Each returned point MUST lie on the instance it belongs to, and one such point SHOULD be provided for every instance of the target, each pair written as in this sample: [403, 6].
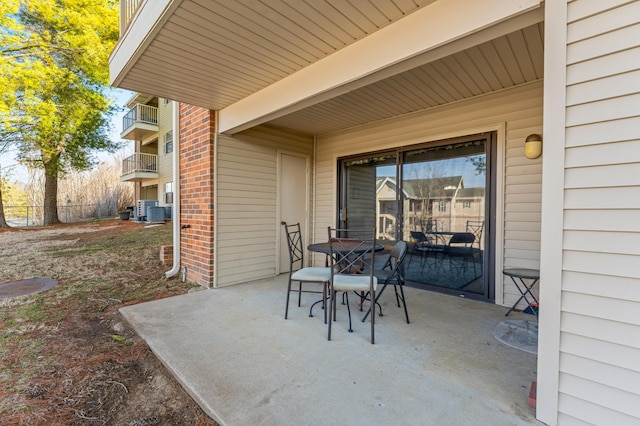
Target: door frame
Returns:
[494, 218]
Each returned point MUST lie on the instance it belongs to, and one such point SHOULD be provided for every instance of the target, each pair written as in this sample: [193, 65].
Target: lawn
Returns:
[66, 355]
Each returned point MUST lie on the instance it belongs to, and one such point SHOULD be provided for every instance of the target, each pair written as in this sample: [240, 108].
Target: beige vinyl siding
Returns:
[165, 161]
[246, 206]
[600, 326]
[518, 109]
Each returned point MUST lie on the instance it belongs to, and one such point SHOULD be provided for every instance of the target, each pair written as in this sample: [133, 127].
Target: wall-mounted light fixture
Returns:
[533, 146]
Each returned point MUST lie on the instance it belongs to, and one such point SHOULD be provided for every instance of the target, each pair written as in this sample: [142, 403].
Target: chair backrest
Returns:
[465, 238]
[418, 236]
[396, 257]
[476, 227]
[296, 248]
[398, 253]
[351, 250]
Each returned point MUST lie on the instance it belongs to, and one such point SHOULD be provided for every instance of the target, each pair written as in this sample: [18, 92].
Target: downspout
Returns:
[215, 199]
[176, 191]
[314, 196]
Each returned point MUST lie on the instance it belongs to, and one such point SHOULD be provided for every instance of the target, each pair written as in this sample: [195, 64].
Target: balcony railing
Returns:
[140, 162]
[128, 9]
[140, 114]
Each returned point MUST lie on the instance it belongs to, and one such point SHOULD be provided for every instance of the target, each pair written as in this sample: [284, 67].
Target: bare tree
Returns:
[84, 190]
[427, 183]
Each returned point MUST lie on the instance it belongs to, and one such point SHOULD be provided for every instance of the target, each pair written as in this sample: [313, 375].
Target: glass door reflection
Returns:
[366, 199]
[443, 199]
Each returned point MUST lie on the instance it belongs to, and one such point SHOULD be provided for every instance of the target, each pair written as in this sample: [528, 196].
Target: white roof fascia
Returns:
[435, 25]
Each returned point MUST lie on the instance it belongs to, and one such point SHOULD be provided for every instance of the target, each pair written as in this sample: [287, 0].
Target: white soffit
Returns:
[256, 62]
[213, 53]
[151, 15]
[366, 60]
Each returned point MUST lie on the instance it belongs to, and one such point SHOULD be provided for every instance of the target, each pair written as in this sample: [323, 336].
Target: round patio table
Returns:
[346, 246]
[356, 247]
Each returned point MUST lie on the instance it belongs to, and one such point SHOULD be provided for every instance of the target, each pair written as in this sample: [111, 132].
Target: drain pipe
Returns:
[176, 191]
[216, 129]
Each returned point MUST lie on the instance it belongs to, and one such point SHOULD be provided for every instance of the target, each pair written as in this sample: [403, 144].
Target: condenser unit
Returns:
[142, 207]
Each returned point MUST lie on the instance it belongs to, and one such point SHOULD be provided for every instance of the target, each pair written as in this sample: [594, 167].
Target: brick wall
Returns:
[196, 193]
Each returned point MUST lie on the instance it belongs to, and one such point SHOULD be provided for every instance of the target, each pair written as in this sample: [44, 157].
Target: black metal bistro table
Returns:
[325, 248]
[520, 276]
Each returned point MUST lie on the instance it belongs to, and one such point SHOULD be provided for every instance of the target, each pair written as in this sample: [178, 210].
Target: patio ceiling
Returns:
[504, 62]
[235, 48]
[216, 54]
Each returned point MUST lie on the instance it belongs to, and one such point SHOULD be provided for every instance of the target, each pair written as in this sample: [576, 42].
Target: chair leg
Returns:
[373, 317]
[332, 298]
[348, 311]
[299, 292]
[376, 302]
[286, 309]
[324, 301]
[397, 297]
[404, 302]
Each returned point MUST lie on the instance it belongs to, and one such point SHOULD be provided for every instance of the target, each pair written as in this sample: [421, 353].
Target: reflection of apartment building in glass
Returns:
[149, 123]
[437, 204]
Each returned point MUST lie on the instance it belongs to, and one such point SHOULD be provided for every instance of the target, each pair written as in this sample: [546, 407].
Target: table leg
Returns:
[524, 291]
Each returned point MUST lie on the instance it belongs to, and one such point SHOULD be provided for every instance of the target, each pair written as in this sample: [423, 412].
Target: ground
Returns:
[66, 355]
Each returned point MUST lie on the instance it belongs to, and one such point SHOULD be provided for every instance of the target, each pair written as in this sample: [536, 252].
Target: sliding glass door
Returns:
[437, 197]
[364, 203]
[445, 200]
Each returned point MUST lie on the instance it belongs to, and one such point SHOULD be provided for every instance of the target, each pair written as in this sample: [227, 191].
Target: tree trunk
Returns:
[50, 193]
[3, 222]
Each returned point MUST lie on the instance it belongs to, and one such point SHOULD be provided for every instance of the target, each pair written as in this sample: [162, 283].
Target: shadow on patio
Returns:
[244, 364]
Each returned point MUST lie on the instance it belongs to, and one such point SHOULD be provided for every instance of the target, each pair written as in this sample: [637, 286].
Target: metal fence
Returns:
[20, 216]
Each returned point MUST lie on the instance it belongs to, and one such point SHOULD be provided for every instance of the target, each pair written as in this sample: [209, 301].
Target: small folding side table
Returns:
[520, 276]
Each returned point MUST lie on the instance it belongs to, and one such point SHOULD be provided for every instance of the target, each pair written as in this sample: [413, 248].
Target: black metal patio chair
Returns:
[298, 272]
[350, 251]
[391, 273]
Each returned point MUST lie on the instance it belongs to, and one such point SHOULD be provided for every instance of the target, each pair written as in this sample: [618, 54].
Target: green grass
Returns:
[31, 312]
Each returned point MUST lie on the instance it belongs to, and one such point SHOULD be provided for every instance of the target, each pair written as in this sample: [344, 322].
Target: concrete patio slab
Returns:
[244, 364]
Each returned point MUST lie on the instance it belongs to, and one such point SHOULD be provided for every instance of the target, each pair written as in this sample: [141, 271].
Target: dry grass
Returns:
[67, 356]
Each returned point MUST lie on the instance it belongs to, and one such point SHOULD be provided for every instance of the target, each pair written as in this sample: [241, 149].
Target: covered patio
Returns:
[243, 363]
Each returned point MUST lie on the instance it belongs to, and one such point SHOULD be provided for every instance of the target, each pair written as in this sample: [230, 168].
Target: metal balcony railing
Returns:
[128, 9]
[140, 162]
[140, 114]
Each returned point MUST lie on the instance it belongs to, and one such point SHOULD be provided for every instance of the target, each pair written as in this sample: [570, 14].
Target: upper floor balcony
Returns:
[139, 167]
[128, 9]
[140, 123]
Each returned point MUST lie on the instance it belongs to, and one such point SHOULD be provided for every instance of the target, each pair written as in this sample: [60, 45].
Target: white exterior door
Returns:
[293, 200]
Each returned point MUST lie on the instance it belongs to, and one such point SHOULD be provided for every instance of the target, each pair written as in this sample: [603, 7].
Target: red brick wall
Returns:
[197, 129]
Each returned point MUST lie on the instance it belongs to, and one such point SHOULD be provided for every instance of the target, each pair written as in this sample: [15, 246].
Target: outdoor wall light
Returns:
[533, 146]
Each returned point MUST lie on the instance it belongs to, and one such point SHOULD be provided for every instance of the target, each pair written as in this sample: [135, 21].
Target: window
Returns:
[168, 193]
[168, 142]
[466, 204]
[442, 206]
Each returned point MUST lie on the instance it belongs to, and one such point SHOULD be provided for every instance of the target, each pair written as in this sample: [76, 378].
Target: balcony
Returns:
[128, 9]
[140, 123]
[139, 167]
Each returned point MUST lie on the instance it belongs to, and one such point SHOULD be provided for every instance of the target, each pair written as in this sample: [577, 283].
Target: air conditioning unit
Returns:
[155, 214]
[142, 207]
